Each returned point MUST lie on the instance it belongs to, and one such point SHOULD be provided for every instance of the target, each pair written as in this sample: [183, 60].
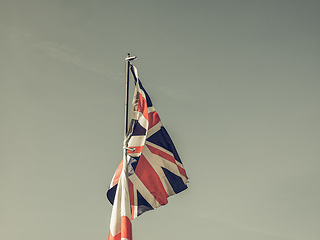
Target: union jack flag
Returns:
[154, 168]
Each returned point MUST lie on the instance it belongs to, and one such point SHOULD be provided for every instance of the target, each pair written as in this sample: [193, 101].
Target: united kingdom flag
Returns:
[154, 168]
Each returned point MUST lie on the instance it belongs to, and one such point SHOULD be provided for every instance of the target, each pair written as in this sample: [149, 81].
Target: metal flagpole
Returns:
[126, 97]
[125, 147]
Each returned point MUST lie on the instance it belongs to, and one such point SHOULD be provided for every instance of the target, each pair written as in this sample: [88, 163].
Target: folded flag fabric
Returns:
[154, 168]
[120, 224]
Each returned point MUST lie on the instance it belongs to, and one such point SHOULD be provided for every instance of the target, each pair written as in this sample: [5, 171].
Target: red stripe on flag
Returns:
[151, 180]
[161, 154]
[153, 119]
[126, 228]
[167, 157]
[117, 174]
[182, 171]
[142, 106]
[116, 237]
[131, 195]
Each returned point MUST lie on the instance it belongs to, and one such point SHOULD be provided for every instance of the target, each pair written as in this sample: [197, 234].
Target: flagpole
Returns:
[126, 97]
[126, 117]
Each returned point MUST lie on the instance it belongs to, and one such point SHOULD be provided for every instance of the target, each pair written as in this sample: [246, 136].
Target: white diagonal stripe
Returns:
[144, 191]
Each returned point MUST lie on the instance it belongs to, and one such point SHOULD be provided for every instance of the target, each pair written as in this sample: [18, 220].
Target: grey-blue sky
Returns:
[236, 84]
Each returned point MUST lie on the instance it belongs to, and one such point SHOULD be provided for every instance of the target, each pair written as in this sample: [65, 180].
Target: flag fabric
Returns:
[154, 168]
[120, 224]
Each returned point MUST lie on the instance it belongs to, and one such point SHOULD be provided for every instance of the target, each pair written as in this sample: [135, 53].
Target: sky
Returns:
[236, 84]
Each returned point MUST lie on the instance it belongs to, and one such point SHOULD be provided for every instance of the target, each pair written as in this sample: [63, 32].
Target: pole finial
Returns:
[130, 58]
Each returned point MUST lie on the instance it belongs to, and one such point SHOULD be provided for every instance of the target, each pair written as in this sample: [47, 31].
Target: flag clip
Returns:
[131, 149]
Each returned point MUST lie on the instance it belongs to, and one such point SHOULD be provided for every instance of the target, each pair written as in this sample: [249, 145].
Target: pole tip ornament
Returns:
[130, 58]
